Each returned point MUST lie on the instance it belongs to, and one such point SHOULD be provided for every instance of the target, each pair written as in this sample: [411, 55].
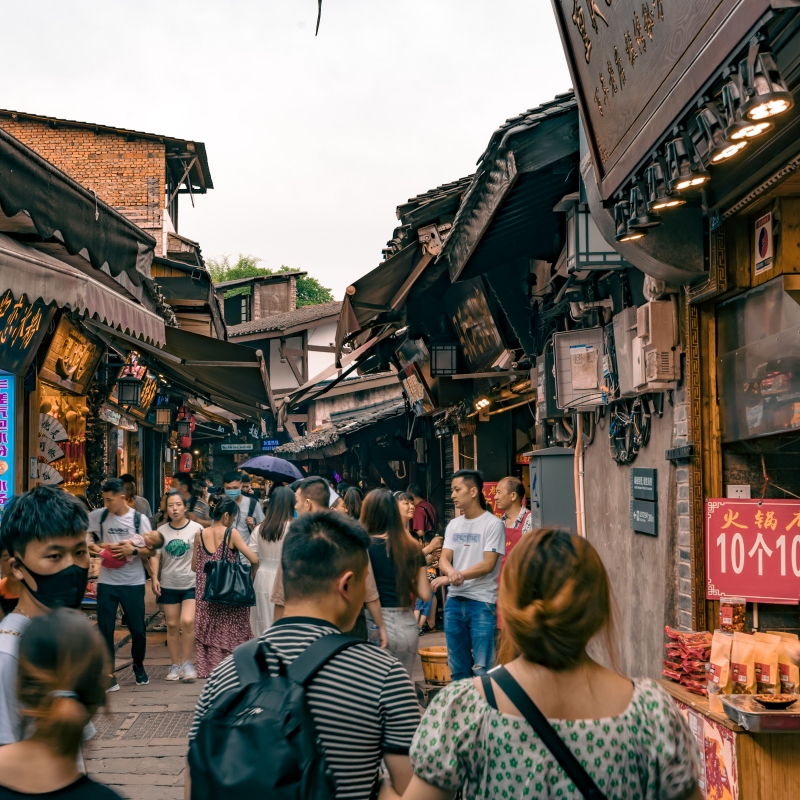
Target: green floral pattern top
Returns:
[646, 753]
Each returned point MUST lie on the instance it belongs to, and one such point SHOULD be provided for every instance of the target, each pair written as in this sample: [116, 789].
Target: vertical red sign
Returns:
[753, 550]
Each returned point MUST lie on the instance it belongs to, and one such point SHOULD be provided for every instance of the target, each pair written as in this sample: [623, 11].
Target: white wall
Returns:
[321, 336]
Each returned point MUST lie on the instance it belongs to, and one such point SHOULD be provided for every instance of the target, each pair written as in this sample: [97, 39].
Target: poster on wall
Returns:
[763, 243]
[7, 442]
[753, 550]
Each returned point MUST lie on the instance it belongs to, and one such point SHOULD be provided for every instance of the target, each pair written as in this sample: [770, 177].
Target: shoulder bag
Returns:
[228, 582]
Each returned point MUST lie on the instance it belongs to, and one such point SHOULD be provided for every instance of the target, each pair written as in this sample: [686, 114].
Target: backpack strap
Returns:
[103, 518]
[244, 659]
[488, 691]
[252, 508]
[551, 740]
[192, 503]
[316, 655]
[137, 519]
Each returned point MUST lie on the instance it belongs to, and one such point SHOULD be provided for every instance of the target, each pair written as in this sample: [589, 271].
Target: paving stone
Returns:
[160, 725]
[169, 765]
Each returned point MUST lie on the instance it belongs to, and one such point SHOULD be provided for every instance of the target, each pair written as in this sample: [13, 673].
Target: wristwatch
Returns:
[136, 551]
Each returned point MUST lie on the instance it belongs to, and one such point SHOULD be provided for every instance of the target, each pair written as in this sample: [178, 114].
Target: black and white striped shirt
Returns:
[362, 701]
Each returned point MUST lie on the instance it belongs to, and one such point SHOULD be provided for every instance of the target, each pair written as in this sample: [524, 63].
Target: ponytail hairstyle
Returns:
[380, 514]
[554, 598]
[220, 505]
[63, 668]
[352, 501]
[472, 476]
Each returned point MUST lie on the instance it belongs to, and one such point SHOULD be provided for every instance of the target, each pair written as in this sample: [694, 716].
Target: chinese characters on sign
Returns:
[71, 359]
[22, 326]
[7, 412]
[753, 550]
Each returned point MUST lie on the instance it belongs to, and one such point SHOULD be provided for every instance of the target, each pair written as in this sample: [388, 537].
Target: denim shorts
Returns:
[423, 606]
[174, 597]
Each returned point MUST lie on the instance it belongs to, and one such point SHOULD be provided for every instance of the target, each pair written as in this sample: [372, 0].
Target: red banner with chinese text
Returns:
[753, 550]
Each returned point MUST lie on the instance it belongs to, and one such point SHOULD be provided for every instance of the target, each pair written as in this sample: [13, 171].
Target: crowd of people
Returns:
[319, 562]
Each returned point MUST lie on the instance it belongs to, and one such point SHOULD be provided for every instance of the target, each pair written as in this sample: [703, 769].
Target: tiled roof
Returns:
[289, 319]
[439, 193]
[331, 434]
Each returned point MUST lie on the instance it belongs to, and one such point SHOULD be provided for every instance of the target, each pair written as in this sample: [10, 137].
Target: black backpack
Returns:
[259, 740]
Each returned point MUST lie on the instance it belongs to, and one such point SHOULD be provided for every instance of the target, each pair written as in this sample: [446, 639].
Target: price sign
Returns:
[753, 550]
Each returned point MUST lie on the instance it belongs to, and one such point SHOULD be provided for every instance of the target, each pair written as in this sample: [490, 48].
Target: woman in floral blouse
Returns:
[628, 735]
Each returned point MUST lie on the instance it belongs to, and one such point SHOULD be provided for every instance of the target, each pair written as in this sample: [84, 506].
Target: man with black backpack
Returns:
[305, 711]
[119, 531]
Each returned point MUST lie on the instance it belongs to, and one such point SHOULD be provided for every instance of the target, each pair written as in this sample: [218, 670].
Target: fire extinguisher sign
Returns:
[763, 242]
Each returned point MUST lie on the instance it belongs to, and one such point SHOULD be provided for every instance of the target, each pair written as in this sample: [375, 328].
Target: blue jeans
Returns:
[469, 628]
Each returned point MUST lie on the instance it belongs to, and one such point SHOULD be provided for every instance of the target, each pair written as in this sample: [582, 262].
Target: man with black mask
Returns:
[45, 533]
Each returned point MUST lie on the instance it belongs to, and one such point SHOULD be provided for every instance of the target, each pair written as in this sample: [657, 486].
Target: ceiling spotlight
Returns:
[685, 168]
[738, 128]
[659, 195]
[481, 403]
[712, 125]
[640, 218]
[764, 92]
[621, 215]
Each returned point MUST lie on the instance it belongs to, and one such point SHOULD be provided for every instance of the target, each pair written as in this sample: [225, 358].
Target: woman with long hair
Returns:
[174, 583]
[61, 681]
[405, 503]
[219, 628]
[631, 738]
[267, 542]
[352, 502]
[400, 572]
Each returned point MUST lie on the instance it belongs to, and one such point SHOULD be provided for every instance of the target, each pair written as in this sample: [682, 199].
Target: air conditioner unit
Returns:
[660, 358]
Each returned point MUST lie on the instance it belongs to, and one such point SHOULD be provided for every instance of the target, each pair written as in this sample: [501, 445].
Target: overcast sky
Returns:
[312, 142]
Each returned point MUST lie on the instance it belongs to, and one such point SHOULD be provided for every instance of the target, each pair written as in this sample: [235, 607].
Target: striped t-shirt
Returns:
[362, 702]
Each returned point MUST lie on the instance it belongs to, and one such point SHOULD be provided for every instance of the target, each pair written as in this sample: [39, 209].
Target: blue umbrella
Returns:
[273, 469]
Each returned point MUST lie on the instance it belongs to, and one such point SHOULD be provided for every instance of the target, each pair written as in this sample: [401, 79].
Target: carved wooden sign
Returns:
[637, 64]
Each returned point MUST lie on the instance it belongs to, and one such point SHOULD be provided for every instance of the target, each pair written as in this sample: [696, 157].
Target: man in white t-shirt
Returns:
[119, 533]
[470, 564]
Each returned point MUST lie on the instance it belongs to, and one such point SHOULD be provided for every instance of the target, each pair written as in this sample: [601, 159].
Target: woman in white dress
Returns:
[267, 541]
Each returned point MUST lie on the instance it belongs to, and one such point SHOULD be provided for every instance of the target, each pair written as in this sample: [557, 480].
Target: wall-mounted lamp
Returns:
[712, 125]
[621, 214]
[482, 402]
[684, 165]
[164, 415]
[640, 218]
[129, 390]
[764, 92]
[659, 195]
[738, 127]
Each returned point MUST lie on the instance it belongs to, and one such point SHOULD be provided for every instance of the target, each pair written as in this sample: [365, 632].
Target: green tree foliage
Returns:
[310, 291]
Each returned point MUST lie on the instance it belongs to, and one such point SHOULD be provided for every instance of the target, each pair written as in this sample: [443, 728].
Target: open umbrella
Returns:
[273, 469]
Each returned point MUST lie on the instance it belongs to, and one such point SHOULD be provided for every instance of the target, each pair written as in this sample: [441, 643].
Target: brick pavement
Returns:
[140, 748]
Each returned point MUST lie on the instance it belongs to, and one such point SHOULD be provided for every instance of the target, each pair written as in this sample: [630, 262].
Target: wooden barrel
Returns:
[434, 665]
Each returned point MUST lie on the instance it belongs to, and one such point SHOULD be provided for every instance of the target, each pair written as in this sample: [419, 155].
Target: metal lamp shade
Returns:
[639, 216]
[684, 168]
[129, 391]
[764, 92]
[184, 427]
[621, 214]
[659, 195]
[739, 127]
[712, 125]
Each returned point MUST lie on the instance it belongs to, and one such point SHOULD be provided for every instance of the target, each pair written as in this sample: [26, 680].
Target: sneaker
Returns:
[189, 672]
[113, 686]
[174, 673]
[140, 675]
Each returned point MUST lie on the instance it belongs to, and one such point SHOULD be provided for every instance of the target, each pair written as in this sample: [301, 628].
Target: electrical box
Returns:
[551, 488]
[624, 337]
[579, 369]
[655, 329]
[546, 407]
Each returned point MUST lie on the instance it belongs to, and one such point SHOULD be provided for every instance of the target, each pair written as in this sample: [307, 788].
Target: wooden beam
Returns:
[251, 364]
[411, 280]
[265, 379]
[467, 375]
[288, 358]
[316, 348]
[291, 351]
[183, 178]
[290, 426]
[297, 417]
[304, 362]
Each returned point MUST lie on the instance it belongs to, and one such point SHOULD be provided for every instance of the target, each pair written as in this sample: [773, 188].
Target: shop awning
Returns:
[40, 276]
[232, 376]
[64, 210]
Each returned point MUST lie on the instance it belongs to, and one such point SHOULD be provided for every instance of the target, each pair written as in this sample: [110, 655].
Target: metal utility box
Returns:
[579, 369]
[546, 407]
[624, 338]
[552, 488]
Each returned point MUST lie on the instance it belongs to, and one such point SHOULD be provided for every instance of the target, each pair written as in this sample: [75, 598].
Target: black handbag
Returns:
[551, 740]
[228, 583]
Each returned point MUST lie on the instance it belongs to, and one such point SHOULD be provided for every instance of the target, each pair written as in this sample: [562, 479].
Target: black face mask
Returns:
[63, 589]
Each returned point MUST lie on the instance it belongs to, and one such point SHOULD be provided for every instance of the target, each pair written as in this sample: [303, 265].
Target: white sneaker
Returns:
[174, 673]
[189, 672]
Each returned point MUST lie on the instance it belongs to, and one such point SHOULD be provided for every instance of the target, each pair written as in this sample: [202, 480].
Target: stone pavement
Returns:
[140, 746]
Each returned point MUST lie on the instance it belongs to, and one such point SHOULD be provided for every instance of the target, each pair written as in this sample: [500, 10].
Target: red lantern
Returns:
[185, 463]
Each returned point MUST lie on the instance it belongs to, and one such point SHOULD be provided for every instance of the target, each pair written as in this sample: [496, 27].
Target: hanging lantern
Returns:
[185, 462]
[184, 427]
[129, 390]
[163, 415]
[764, 92]
[684, 166]
[712, 125]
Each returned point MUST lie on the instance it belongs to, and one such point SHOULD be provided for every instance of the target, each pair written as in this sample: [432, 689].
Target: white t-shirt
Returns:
[176, 555]
[469, 539]
[119, 529]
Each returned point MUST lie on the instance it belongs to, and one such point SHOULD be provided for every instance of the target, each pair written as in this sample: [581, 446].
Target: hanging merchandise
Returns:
[49, 450]
[47, 475]
[49, 426]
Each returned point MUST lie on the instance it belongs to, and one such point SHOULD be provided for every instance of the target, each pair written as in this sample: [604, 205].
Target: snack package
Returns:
[766, 663]
[732, 614]
[789, 671]
[743, 670]
[719, 669]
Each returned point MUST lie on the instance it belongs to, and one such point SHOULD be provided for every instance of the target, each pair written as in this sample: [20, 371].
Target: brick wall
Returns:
[129, 176]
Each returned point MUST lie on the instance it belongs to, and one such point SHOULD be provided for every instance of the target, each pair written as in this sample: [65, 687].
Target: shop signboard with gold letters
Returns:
[635, 64]
[23, 325]
[71, 359]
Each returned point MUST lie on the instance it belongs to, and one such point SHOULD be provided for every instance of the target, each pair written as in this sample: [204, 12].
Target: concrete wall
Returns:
[280, 374]
[321, 336]
[642, 569]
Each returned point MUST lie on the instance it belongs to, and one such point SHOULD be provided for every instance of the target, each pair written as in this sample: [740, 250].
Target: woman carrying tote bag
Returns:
[219, 628]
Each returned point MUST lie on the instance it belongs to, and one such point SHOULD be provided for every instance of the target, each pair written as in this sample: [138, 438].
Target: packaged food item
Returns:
[789, 671]
[732, 614]
[766, 663]
[719, 669]
[743, 671]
